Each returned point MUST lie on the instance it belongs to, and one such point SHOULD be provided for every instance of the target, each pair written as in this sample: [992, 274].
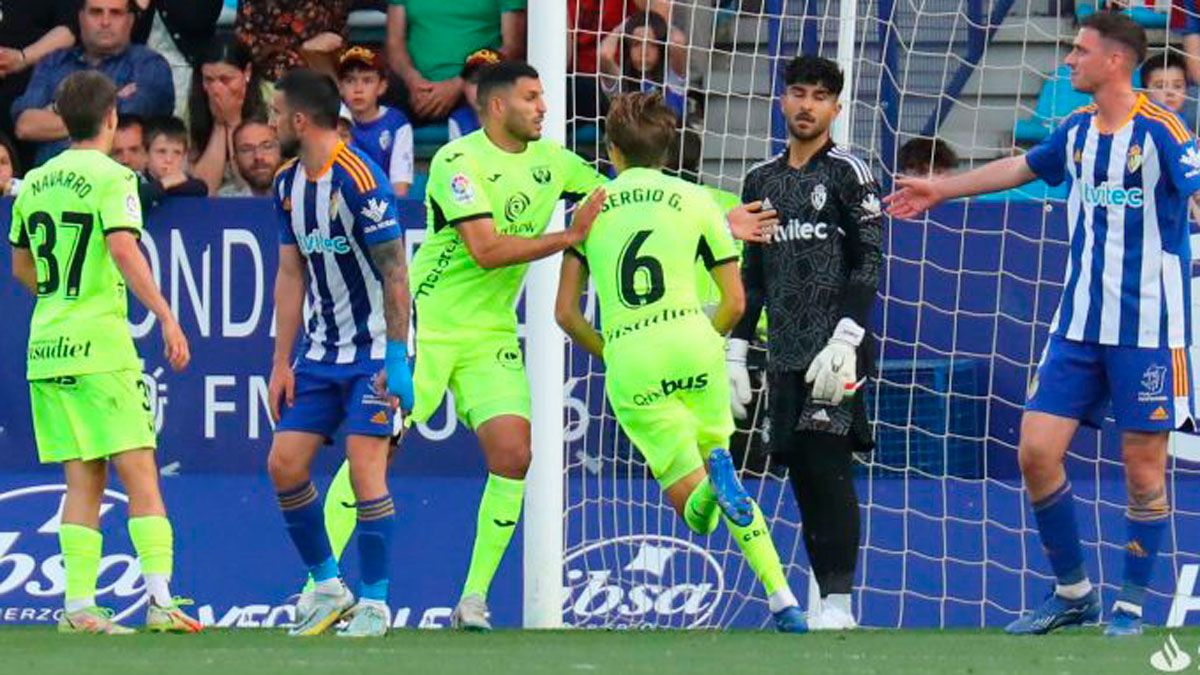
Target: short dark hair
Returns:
[807, 69]
[500, 76]
[919, 155]
[130, 120]
[169, 126]
[83, 101]
[1161, 61]
[247, 123]
[641, 126]
[313, 94]
[1121, 29]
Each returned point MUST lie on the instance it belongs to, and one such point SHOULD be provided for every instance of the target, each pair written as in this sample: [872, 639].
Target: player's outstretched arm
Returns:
[491, 250]
[388, 257]
[733, 297]
[24, 269]
[123, 246]
[571, 281]
[289, 310]
[914, 196]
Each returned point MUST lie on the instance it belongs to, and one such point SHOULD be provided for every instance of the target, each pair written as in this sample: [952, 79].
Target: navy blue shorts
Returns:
[1149, 389]
[333, 396]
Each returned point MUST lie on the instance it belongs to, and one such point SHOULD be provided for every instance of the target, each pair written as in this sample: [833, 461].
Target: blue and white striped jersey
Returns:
[334, 218]
[1127, 279]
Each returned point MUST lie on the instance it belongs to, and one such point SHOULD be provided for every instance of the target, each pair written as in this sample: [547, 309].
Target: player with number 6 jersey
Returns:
[664, 358]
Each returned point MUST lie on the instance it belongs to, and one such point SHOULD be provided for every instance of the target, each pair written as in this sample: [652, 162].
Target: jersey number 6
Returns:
[42, 226]
[631, 264]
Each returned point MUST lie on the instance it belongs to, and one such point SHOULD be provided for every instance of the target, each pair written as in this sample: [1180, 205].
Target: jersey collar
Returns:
[337, 150]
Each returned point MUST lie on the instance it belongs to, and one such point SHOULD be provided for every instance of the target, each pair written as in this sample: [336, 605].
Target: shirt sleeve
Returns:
[716, 246]
[1048, 159]
[283, 211]
[513, 6]
[374, 209]
[862, 243]
[454, 192]
[40, 90]
[121, 207]
[581, 178]
[155, 90]
[1182, 158]
[401, 168]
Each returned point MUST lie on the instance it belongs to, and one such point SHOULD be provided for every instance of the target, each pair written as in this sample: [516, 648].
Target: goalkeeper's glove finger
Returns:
[738, 409]
[739, 376]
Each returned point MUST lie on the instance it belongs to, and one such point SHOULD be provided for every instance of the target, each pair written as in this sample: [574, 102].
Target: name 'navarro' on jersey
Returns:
[1128, 271]
[334, 218]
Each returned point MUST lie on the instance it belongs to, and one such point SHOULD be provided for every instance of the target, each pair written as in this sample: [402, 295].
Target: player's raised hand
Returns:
[175, 345]
[585, 215]
[281, 388]
[912, 197]
[751, 222]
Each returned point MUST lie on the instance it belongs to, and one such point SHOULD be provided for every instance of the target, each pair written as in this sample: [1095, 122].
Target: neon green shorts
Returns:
[90, 417]
[485, 373]
[672, 401]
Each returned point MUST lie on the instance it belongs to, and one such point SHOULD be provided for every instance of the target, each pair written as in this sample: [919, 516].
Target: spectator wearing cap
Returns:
[286, 34]
[225, 92]
[26, 37]
[383, 133]
[465, 118]
[142, 76]
[428, 41]
[258, 156]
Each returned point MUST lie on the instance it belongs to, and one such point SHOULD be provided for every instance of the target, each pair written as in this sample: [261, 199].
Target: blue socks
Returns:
[1059, 532]
[305, 518]
[1144, 527]
[376, 525]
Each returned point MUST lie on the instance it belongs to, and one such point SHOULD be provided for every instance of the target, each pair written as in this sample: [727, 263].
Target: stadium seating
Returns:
[1055, 101]
[1149, 17]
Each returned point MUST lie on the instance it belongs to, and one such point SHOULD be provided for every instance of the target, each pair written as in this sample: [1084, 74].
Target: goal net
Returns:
[948, 538]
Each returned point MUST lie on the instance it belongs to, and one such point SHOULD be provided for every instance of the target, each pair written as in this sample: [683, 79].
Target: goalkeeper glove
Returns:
[739, 377]
[399, 375]
[833, 373]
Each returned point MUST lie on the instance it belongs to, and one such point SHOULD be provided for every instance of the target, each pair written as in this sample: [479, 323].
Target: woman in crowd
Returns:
[225, 91]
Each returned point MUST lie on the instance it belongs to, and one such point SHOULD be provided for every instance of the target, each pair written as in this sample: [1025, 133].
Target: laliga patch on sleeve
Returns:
[132, 208]
[461, 189]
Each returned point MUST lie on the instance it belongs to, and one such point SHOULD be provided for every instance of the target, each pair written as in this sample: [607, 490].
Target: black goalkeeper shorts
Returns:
[794, 418]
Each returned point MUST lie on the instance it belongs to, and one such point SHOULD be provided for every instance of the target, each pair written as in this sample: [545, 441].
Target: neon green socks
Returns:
[81, 556]
[499, 511]
[154, 542]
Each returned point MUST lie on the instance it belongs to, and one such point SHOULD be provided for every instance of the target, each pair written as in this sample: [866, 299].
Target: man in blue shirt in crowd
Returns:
[142, 76]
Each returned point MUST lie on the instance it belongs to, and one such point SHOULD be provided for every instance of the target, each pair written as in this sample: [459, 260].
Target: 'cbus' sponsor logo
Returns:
[1107, 195]
[668, 387]
[642, 580]
[32, 576]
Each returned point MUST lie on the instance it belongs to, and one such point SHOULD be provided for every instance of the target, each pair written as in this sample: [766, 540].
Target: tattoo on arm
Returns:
[389, 260]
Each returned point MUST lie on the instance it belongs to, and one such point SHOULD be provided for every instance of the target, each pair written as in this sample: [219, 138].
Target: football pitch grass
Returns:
[41, 651]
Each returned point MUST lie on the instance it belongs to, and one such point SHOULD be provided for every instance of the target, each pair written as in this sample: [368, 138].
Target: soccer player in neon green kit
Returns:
[75, 230]
[664, 359]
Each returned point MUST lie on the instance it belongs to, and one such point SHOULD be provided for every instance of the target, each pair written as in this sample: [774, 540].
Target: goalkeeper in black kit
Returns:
[817, 277]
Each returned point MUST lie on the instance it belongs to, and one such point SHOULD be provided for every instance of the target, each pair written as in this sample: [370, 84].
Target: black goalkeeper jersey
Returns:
[824, 261]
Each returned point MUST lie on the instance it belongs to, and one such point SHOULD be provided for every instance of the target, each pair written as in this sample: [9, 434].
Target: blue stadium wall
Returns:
[945, 286]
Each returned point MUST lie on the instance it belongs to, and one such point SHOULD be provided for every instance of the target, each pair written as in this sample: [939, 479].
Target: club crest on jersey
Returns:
[1133, 160]
[385, 140]
[541, 175]
[335, 201]
[461, 189]
[819, 196]
[375, 209]
[1078, 156]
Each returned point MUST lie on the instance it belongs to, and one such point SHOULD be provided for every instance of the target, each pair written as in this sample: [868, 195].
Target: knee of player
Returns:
[512, 462]
[1035, 459]
[284, 472]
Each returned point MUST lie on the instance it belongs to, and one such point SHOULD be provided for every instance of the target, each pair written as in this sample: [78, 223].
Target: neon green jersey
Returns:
[62, 214]
[642, 250]
[471, 178]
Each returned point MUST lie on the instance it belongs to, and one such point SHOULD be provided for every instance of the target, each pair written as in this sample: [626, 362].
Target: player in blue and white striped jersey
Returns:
[1122, 329]
[338, 228]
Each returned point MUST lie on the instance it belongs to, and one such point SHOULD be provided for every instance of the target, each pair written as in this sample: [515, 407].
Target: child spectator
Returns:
[382, 132]
[926, 158]
[1164, 76]
[167, 145]
[465, 118]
